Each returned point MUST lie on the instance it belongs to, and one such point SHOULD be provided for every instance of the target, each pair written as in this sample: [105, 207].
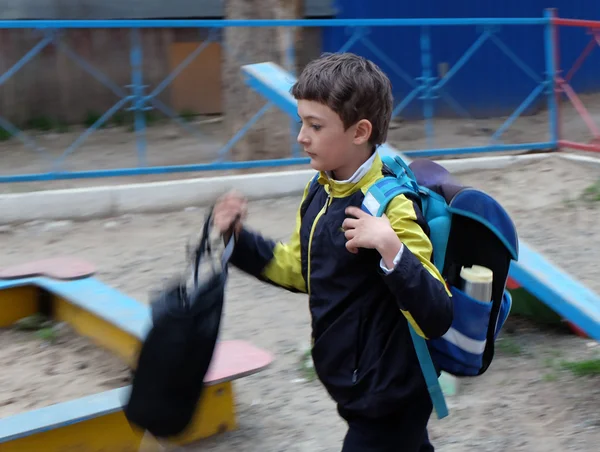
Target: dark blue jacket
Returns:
[362, 349]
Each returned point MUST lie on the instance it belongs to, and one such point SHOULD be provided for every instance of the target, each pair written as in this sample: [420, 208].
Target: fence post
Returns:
[551, 47]
[138, 97]
[426, 80]
[290, 65]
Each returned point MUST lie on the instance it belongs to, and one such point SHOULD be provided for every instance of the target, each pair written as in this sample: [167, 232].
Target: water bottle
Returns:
[476, 281]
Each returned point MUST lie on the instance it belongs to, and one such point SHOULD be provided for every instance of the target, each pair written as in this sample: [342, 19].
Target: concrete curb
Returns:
[581, 159]
[102, 202]
[458, 166]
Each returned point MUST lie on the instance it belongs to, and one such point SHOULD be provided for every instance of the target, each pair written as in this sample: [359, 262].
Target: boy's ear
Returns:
[362, 131]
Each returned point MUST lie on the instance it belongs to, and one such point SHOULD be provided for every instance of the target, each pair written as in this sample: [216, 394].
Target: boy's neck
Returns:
[345, 173]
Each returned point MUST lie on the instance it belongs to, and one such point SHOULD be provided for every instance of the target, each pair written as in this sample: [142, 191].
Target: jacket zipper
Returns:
[359, 336]
[312, 231]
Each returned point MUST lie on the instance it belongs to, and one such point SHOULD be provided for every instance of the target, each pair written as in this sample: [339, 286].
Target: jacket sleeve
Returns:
[275, 263]
[420, 290]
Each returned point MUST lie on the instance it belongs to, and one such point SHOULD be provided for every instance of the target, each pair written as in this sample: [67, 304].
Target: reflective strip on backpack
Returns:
[465, 343]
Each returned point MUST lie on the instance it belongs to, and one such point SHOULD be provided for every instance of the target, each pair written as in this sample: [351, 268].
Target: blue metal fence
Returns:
[424, 87]
[489, 66]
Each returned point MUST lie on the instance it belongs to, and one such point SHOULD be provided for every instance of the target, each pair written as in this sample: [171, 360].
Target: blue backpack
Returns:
[466, 227]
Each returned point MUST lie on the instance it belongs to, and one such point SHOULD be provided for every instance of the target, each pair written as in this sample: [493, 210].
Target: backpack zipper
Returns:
[312, 231]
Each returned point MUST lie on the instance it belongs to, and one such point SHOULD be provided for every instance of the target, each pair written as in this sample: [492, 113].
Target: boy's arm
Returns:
[276, 263]
[419, 287]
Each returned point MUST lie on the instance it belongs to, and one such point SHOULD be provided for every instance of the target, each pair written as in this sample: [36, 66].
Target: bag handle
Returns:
[204, 247]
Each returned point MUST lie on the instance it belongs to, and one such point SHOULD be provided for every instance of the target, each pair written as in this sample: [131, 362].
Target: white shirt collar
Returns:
[360, 172]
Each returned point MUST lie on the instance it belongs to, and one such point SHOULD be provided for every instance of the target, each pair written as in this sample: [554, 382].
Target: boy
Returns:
[366, 277]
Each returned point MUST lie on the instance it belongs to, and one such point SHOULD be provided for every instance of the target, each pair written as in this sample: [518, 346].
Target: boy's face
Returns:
[329, 146]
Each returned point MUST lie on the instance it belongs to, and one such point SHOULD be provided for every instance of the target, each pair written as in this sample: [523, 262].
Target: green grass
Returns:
[592, 193]
[550, 377]
[42, 123]
[41, 326]
[585, 368]
[4, 135]
[188, 115]
[91, 118]
[508, 346]
[307, 368]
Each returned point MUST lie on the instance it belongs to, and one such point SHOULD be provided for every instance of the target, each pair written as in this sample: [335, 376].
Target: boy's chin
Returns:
[318, 166]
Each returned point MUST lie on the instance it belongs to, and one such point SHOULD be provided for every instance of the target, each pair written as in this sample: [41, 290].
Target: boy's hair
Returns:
[352, 86]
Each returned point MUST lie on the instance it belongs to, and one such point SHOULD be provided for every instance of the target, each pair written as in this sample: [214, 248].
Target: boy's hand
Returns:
[229, 209]
[367, 231]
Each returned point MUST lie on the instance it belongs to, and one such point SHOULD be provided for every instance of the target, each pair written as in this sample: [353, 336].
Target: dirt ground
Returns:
[59, 366]
[528, 401]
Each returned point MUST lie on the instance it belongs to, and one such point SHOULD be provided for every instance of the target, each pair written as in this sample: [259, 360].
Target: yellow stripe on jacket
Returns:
[285, 269]
[403, 219]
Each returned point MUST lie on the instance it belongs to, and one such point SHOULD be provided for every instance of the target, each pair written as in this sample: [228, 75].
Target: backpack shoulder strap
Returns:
[379, 195]
[429, 373]
[401, 181]
[375, 203]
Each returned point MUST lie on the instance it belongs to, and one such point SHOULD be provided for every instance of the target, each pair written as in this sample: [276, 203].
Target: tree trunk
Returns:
[270, 136]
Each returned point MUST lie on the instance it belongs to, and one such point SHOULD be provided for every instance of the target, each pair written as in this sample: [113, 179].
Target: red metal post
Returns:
[593, 147]
[594, 24]
[562, 85]
[557, 75]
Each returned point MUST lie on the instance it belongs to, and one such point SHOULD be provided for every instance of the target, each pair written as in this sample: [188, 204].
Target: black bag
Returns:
[175, 355]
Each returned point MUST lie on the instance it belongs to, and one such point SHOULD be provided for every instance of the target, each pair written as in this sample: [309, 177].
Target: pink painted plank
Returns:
[63, 268]
[236, 359]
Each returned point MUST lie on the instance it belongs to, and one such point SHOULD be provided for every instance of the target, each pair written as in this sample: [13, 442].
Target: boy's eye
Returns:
[315, 127]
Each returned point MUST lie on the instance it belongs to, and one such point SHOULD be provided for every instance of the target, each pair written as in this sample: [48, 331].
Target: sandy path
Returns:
[68, 368]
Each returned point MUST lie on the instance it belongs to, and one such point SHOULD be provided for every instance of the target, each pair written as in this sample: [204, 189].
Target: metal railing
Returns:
[563, 84]
[137, 98]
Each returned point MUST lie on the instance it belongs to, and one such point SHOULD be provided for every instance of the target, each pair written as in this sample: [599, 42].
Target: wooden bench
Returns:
[66, 290]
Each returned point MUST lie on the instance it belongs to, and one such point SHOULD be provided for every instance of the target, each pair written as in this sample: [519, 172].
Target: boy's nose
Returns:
[302, 138]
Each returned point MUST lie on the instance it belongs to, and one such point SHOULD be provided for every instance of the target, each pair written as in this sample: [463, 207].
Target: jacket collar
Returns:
[365, 176]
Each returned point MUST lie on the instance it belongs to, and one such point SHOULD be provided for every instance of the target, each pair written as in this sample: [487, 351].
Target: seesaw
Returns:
[534, 273]
[66, 290]
[559, 291]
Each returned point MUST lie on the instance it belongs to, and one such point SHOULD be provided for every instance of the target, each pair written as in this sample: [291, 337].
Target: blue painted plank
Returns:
[11, 283]
[560, 291]
[62, 414]
[105, 302]
[274, 84]
[94, 296]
